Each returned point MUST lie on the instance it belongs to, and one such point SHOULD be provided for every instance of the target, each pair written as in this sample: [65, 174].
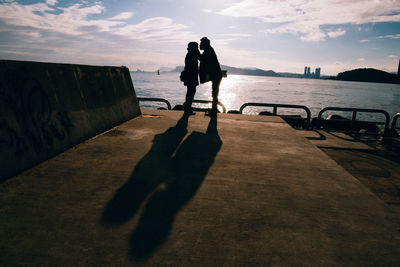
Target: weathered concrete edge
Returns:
[46, 108]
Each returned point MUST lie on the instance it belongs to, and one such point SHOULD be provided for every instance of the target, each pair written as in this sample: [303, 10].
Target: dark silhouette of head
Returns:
[204, 43]
[193, 45]
[193, 49]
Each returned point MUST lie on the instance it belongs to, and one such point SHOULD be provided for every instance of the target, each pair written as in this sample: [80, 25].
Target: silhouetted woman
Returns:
[191, 75]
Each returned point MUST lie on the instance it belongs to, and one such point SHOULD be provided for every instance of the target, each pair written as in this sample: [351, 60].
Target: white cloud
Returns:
[306, 18]
[63, 34]
[392, 56]
[70, 21]
[364, 41]
[392, 36]
[361, 59]
[20, 53]
[75, 20]
[51, 2]
[336, 34]
[157, 28]
[32, 34]
[237, 34]
[122, 16]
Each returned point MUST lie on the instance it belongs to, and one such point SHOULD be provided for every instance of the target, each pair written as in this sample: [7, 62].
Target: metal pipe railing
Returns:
[354, 115]
[394, 122]
[276, 106]
[153, 99]
[305, 108]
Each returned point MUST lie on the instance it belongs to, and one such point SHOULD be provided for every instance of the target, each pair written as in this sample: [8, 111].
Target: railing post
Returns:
[394, 122]
[154, 99]
[353, 120]
[276, 106]
[354, 114]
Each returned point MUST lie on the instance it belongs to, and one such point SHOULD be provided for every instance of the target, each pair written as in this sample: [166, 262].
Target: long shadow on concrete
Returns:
[152, 170]
[168, 182]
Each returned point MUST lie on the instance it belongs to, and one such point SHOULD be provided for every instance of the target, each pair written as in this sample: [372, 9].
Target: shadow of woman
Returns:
[190, 166]
[152, 170]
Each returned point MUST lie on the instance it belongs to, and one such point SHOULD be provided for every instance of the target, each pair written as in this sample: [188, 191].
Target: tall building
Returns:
[308, 74]
[317, 72]
[398, 70]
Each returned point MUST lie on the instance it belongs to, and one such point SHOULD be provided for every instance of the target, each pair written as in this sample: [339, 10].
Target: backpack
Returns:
[183, 76]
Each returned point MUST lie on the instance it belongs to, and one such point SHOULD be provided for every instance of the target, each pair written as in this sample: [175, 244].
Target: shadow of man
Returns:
[190, 166]
[152, 170]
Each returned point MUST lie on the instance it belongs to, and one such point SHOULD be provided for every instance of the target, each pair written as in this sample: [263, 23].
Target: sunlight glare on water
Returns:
[235, 90]
[228, 89]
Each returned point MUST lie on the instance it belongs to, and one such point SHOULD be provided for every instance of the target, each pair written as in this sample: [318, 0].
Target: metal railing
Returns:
[276, 106]
[210, 102]
[354, 116]
[394, 122]
[153, 99]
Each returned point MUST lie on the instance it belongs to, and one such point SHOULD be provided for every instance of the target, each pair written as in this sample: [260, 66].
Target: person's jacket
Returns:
[191, 69]
[210, 70]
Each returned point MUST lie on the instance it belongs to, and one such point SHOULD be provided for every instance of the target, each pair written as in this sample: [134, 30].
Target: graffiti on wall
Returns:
[27, 118]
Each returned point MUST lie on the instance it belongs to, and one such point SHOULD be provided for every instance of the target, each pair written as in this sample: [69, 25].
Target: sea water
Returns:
[316, 94]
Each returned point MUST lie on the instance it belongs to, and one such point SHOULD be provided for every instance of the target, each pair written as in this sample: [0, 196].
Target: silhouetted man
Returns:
[191, 75]
[210, 70]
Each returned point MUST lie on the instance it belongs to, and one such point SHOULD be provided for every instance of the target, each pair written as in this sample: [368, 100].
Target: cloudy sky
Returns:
[284, 36]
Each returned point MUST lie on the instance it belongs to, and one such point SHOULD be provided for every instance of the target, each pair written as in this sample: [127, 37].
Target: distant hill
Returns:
[290, 75]
[249, 71]
[165, 69]
[367, 75]
[241, 71]
[178, 69]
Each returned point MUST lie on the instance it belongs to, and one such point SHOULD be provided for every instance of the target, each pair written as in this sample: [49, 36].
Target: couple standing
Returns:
[209, 70]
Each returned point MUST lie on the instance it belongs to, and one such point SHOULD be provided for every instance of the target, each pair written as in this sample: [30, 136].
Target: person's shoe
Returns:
[190, 113]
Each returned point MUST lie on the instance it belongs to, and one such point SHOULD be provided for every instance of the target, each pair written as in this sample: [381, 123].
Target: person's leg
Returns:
[191, 91]
[215, 92]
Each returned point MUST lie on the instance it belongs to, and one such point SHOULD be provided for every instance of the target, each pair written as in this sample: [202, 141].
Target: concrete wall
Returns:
[46, 108]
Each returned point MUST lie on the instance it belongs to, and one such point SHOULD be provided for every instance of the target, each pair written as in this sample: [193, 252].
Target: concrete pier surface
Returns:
[163, 189]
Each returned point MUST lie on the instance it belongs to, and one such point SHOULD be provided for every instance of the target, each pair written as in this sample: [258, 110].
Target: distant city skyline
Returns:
[283, 36]
[398, 70]
[309, 74]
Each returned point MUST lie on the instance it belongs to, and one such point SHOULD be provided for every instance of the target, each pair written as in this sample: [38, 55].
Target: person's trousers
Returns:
[191, 91]
[215, 91]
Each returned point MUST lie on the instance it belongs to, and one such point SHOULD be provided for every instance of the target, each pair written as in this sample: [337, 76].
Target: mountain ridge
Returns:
[367, 75]
[359, 75]
[240, 71]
